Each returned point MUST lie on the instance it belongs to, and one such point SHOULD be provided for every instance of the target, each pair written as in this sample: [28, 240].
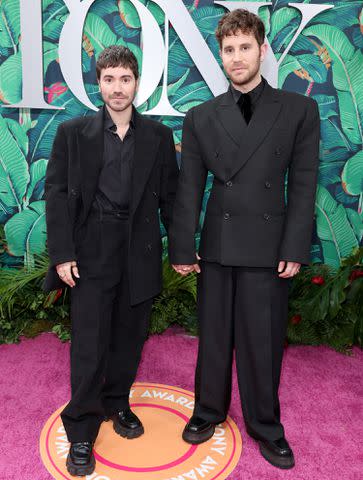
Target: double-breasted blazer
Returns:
[71, 183]
[248, 221]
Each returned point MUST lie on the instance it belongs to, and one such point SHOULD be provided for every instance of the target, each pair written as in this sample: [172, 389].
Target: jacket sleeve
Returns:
[189, 197]
[59, 228]
[301, 190]
[169, 179]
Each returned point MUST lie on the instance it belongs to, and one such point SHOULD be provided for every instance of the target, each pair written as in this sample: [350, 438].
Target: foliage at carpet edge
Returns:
[325, 308]
[26, 310]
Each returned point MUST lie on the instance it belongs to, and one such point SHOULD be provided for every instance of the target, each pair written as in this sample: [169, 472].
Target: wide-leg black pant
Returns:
[245, 309]
[107, 332]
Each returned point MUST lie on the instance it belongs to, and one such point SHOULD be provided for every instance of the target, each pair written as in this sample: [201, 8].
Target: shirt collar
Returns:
[254, 94]
[109, 123]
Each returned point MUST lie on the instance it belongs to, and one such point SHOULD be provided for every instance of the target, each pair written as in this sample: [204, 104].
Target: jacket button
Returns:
[149, 247]
[155, 194]
[74, 192]
[266, 216]
[267, 184]
[216, 154]
[229, 183]
[278, 151]
[147, 219]
[226, 216]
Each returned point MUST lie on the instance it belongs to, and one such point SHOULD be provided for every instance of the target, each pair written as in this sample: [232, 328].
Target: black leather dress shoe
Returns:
[80, 459]
[127, 424]
[198, 431]
[278, 453]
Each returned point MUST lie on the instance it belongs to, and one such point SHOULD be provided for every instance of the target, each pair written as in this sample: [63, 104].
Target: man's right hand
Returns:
[66, 272]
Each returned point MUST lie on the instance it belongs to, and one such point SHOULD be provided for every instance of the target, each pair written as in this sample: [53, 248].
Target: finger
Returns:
[75, 271]
[281, 266]
[287, 272]
[197, 268]
[198, 257]
[68, 277]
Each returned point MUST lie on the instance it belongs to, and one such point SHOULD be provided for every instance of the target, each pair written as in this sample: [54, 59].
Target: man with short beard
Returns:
[107, 178]
[252, 242]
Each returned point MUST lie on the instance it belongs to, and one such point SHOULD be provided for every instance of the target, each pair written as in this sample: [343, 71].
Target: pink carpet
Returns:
[321, 398]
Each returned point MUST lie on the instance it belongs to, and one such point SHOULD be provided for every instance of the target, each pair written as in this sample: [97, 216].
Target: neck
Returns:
[247, 87]
[120, 118]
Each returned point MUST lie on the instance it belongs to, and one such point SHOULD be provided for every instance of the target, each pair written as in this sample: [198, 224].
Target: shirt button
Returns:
[267, 184]
[266, 216]
[229, 183]
[226, 216]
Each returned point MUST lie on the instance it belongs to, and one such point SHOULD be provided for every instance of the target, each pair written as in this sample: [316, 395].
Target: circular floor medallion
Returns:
[159, 454]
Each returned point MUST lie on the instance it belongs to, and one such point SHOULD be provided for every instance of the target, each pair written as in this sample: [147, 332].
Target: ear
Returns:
[263, 51]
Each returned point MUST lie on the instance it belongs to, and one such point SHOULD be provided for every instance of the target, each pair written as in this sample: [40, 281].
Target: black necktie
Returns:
[244, 103]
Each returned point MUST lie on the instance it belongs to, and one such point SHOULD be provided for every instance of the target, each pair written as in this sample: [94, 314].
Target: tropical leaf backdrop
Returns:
[325, 62]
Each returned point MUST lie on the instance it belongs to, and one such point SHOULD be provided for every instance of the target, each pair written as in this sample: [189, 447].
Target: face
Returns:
[118, 87]
[242, 56]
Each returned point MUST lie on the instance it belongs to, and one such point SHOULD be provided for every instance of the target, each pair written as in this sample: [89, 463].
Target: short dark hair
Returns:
[240, 20]
[117, 56]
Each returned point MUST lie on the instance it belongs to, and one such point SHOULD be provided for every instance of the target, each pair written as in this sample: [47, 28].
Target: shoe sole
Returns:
[80, 471]
[128, 433]
[197, 438]
[276, 460]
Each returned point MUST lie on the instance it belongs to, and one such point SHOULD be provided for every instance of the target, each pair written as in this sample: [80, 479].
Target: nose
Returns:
[237, 57]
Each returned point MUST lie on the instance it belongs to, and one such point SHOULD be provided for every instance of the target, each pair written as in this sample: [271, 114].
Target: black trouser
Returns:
[107, 332]
[246, 309]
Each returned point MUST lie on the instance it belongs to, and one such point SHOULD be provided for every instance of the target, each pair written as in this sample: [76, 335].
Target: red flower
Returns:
[295, 319]
[54, 91]
[58, 294]
[318, 280]
[355, 274]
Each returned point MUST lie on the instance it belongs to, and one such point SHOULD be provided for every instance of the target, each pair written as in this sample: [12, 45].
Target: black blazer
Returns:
[247, 221]
[71, 183]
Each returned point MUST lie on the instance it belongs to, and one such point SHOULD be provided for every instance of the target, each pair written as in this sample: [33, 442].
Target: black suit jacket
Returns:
[248, 221]
[71, 183]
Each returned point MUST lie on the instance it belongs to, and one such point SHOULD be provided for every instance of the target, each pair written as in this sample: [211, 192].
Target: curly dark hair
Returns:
[117, 56]
[240, 20]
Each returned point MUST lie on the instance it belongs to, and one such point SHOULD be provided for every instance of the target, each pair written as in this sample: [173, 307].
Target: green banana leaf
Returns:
[11, 79]
[99, 33]
[37, 173]
[14, 174]
[335, 232]
[25, 232]
[9, 24]
[347, 70]
[352, 176]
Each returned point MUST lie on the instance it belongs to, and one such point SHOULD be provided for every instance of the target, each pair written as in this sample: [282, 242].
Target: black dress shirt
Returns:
[114, 186]
[254, 94]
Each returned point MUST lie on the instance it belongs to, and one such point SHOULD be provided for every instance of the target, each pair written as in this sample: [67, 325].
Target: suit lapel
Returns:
[91, 145]
[262, 121]
[248, 138]
[229, 116]
[146, 146]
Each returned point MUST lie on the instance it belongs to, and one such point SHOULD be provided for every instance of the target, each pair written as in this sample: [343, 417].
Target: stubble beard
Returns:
[249, 78]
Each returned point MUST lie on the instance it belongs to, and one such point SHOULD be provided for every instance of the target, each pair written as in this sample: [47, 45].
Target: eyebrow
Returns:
[111, 76]
[246, 44]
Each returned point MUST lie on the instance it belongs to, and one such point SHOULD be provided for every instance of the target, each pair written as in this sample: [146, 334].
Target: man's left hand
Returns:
[288, 269]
